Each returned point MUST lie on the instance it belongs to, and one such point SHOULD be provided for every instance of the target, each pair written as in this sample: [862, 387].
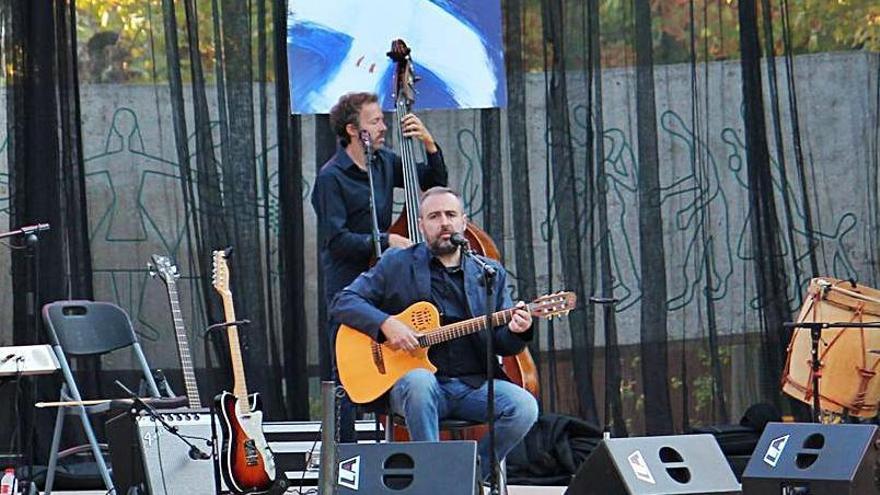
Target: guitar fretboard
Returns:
[239, 388]
[466, 327]
[186, 362]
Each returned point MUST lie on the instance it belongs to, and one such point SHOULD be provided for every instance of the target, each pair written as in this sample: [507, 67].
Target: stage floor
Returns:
[512, 490]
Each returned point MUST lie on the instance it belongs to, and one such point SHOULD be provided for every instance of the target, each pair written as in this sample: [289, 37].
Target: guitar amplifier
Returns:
[147, 457]
[296, 446]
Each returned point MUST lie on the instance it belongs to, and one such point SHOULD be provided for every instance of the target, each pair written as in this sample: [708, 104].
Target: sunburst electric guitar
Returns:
[368, 369]
[246, 463]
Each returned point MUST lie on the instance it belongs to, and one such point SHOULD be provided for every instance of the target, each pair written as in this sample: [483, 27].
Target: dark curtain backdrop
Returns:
[46, 179]
[232, 169]
[674, 375]
[194, 149]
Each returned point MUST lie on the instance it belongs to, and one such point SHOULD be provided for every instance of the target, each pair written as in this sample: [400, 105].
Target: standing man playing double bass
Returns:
[341, 198]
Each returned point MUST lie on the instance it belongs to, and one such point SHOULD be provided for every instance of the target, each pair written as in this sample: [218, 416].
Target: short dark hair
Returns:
[434, 191]
[347, 110]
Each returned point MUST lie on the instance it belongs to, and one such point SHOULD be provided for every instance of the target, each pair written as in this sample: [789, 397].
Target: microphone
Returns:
[458, 240]
[365, 139]
[197, 454]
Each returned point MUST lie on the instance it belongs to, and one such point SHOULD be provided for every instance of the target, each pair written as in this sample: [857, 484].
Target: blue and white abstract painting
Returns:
[337, 46]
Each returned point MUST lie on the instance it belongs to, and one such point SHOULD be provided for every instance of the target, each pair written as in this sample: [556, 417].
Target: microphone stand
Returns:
[32, 242]
[489, 273]
[815, 337]
[374, 221]
[195, 453]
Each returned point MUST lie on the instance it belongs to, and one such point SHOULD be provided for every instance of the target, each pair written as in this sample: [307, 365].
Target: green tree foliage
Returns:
[815, 26]
[123, 40]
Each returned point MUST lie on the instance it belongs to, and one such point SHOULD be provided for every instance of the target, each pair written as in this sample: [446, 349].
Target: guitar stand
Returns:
[280, 485]
[215, 448]
[225, 324]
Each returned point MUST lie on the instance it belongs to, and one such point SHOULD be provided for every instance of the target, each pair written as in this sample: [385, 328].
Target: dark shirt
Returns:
[341, 198]
[460, 358]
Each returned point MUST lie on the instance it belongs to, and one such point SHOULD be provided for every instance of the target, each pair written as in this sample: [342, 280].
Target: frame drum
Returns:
[848, 383]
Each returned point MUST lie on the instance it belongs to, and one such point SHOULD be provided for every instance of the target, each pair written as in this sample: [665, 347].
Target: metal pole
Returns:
[328, 438]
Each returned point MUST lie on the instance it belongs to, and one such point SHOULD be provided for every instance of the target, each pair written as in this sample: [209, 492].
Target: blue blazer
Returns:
[403, 277]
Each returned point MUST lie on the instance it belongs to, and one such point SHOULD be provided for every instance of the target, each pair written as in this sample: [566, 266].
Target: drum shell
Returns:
[848, 378]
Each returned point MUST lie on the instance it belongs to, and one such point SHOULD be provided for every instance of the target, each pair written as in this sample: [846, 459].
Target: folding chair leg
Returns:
[96, 449]
[53, 452]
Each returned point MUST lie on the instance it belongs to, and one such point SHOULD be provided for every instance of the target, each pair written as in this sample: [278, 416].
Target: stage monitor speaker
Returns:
[818, 459]
[414, 468]
[668, 465]
[148, 458]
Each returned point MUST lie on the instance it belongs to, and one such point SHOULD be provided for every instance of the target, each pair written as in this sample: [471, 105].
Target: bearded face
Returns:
[441, 216]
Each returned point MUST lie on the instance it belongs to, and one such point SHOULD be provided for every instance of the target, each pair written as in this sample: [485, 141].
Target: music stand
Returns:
[19, 361]
[26, 360]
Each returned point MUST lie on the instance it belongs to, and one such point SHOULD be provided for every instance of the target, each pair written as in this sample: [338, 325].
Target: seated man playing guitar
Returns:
[436, 271]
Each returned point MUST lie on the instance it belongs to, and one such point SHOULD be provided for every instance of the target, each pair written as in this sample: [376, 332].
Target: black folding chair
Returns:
[87, 328]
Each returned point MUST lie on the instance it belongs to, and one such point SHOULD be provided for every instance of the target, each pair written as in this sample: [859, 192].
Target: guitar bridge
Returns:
[251, 454]
[378, 360]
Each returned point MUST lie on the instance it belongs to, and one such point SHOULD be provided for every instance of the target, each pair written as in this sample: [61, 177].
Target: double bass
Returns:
[519, 368]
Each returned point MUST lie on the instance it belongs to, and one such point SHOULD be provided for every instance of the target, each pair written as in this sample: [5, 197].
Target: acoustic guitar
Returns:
[246, 463]
[368, 369]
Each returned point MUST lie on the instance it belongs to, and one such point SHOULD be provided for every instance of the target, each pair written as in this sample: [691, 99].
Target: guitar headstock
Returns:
[404, 79]
[162, 267]
[553, 305]
[220, 271]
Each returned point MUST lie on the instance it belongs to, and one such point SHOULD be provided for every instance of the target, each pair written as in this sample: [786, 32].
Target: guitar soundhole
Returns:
[420, 319]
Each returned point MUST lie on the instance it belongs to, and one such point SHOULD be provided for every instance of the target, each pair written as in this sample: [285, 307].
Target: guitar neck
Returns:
[239, 388]
[465, 327]
[186, 362]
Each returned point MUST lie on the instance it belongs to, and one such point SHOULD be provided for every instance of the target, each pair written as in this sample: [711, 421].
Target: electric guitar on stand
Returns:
[246, 463]
[162, 267]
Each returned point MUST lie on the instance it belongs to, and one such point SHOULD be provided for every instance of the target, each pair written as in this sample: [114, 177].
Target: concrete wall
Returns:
[135, 204]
